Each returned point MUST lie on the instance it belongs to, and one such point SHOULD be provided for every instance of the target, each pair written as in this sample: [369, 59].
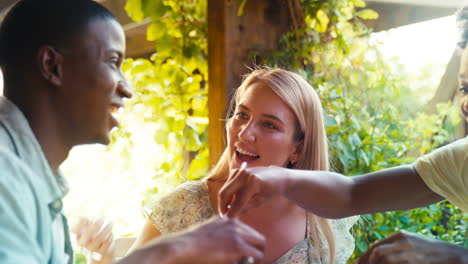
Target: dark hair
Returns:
[31, 24]
[462, 26]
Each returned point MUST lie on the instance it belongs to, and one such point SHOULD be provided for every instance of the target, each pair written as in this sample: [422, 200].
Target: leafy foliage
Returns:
[170, 88]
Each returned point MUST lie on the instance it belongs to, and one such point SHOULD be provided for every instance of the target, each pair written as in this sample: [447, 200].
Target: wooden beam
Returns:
[135, 32]
[137, 44]
[435, 3]
[397, 15]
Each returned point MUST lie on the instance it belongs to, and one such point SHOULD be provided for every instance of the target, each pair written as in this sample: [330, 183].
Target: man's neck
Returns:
[46, 128]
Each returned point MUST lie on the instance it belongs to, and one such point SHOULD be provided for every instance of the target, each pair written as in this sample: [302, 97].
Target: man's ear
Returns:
[296, 155]
[50, 61]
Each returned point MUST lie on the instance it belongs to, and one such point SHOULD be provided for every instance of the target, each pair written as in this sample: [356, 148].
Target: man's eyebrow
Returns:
[461, 77]
[118, 52]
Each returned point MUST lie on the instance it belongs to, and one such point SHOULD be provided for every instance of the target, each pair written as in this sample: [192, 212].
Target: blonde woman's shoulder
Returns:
[186, 205]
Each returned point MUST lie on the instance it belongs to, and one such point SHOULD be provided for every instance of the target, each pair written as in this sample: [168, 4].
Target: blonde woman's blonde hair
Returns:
[304, 102]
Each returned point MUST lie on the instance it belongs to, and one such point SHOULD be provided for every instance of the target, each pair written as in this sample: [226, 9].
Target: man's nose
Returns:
[124, 89]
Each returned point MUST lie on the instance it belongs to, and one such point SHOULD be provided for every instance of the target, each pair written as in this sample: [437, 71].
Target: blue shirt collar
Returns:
[25, 145]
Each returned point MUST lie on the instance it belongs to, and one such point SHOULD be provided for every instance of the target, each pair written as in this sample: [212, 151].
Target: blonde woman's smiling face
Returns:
[261, 131]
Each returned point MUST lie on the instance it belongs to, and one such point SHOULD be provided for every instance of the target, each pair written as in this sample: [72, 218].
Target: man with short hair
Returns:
[61, 65]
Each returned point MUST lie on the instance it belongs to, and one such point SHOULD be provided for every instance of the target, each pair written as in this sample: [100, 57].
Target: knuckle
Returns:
[237, 243]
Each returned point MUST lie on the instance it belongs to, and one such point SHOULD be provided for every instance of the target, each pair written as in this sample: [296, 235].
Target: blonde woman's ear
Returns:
[295, 156]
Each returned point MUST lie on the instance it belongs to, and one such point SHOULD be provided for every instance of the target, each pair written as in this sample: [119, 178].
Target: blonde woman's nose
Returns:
[247, 132]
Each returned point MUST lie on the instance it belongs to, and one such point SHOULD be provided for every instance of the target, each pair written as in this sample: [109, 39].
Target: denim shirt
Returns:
[30, 195]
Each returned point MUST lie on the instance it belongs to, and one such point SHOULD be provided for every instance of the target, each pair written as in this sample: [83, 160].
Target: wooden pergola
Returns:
[231, 37]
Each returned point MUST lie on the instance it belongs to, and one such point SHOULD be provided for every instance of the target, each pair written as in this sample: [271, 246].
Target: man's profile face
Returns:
[463, 82]
[93, 84]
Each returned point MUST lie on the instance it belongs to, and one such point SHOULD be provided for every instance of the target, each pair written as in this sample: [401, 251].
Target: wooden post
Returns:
[230, 40]
[216, 77]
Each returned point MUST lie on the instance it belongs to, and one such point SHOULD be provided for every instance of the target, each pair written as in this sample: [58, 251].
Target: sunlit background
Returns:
[104, 187]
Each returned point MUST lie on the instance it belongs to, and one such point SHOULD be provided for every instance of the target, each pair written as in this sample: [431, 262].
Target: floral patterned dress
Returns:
[189, 204]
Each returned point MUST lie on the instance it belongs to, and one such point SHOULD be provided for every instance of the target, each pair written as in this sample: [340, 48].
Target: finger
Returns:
[230, 189]
[398, 236]
[396, 252]
[103, 237]
[380, 253]
[363, 259]
[79, 224]
[247, 250]
[105, 247]
[90, 233]
[243, 196]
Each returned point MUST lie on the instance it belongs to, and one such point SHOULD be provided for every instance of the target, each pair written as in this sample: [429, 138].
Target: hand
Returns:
[224, 240]
[97, 238]
[250, 188]
[404, 247]
[220, 240]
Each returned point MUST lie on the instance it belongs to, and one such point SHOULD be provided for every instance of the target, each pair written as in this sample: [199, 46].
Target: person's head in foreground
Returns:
[65, 63]
[462, 24]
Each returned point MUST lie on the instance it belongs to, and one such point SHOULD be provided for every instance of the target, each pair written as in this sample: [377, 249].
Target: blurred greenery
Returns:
[170, 89]
[372, 118]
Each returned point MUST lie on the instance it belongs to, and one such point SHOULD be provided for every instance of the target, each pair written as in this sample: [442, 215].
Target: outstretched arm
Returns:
[148, 233]
[327, 194]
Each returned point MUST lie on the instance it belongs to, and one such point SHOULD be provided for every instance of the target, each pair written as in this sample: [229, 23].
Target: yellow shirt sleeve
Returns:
[445, 171]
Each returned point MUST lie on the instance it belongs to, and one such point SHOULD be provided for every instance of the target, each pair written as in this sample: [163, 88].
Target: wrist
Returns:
[175, 249]
[161, 251]
[287, 182]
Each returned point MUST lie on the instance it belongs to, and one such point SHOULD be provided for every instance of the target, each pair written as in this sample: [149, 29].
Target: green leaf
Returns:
[154, 9]
[362, 246]
[134, 10]
[242, 3]
[323, 20]
[164, 46]
[359, 3]
[367, 14]
[155, 31]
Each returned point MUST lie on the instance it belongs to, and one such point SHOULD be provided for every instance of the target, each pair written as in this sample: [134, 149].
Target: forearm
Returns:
[333, 195]
[398, 188]
[324, 193]
[167, 250]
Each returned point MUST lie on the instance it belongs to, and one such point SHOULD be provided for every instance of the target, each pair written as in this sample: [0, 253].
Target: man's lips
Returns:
[115, 109]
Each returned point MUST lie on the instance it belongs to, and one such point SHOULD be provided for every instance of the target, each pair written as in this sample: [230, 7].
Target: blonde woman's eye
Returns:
[464, 90]
[270, 125]
[241, 115]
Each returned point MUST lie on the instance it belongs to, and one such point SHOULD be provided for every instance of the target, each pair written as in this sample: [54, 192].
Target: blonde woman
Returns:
[277, 121]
